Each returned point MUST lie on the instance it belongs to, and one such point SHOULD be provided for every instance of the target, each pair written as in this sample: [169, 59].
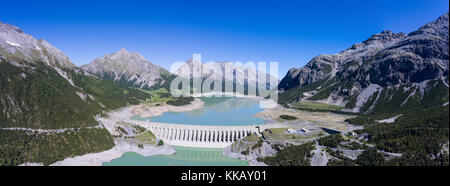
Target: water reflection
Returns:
[184, 156]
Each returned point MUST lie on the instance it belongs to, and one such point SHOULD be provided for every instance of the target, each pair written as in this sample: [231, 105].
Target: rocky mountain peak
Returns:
[127, 66]
[385, 36]
[443, 19]
[437, 28]
[9, 28]
[125, 56]
[369, 47]
[122, 52]
[17, 46]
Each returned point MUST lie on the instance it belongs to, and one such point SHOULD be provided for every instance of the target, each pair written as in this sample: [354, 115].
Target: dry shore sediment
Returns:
[145, 111]
[121, 147]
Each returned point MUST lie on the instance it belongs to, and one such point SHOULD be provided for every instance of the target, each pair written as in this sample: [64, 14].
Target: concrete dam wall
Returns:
[198, 135]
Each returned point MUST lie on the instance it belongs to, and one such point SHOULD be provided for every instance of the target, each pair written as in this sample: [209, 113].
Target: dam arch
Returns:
[197, 135]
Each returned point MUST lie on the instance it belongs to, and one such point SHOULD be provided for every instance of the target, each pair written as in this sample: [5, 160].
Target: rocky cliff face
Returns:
[383, 62]
[129, 68]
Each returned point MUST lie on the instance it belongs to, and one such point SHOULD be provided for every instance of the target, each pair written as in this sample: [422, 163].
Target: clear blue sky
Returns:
[289, 32]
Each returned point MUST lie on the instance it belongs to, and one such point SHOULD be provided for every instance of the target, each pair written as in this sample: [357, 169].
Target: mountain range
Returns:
[238, 75]
[389, 74]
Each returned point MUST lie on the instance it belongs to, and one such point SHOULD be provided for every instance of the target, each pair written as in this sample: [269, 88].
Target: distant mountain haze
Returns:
[242, 74]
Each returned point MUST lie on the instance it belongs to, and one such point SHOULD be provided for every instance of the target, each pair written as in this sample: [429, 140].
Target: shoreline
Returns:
[251, 158]
[120, 148]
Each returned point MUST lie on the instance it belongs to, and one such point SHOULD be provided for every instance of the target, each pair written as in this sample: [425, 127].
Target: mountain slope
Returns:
[48, 105]
[130, 68]
[387, 69]
[397, 83]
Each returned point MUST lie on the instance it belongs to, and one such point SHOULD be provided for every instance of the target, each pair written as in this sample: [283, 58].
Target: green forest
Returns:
[17, 147]
[294, 155]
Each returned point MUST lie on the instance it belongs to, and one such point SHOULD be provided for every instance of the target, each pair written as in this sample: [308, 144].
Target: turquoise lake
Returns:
[184, 156]
[217, 111]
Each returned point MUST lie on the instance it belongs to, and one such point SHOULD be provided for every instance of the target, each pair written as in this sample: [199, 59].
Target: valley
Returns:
[135, 134]
[381, 102]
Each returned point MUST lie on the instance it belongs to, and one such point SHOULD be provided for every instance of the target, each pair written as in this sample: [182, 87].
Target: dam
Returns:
[219, 123]
[198, 135]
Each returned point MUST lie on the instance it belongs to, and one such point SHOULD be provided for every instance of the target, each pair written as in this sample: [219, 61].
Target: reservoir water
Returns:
[184, 156]
[217, 111]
